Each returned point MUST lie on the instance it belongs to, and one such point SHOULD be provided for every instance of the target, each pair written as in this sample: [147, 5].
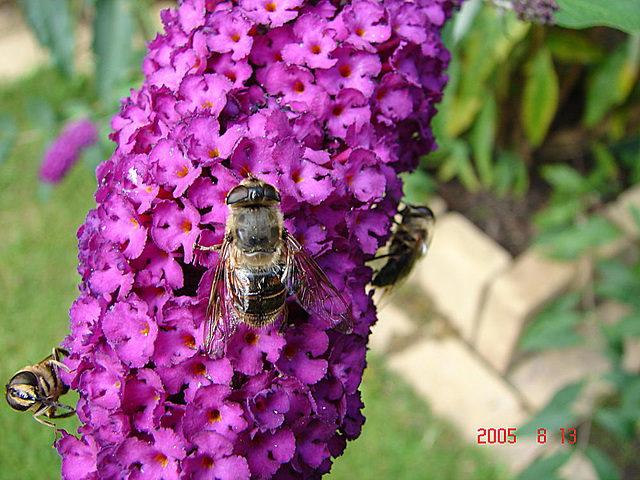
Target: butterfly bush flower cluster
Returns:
[66, 149]
[538, 11]
[328, 101]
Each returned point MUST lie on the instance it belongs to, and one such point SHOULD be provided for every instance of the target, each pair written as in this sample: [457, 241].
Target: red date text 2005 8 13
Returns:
[500, 436]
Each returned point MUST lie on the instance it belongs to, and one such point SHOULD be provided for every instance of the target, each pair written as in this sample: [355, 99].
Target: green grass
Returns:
[38, 260]
[401, 438]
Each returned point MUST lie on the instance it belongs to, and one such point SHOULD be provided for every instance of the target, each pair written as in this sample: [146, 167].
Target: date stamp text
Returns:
[501, 436]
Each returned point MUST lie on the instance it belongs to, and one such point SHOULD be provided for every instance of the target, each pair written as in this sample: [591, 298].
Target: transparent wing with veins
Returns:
[219, 319]
[313, 289]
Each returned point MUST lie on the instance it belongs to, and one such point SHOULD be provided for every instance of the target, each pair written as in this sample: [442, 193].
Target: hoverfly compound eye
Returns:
[238, 194]
[424, 211]
[22, 395]
[270, 193]
[24, 378]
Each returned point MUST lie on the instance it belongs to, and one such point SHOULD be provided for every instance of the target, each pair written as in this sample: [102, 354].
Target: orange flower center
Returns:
[162, 460]
[251, 338]
[345, 71]
[214, 416]
[183, 172]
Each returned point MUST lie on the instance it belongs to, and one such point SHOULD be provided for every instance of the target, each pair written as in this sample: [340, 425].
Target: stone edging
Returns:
[475, 375]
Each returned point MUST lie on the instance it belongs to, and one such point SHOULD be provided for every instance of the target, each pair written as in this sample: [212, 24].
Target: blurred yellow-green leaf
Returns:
[488, 45]
[572, 46]
[458, 164]
[482, 139]
[612, 81]
[540, 100]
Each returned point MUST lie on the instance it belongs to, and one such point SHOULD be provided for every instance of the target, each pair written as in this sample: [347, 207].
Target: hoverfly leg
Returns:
[69, 411]
[60, 365]
[205, 248]
[43, 411]
[285, 316]
[57, 354]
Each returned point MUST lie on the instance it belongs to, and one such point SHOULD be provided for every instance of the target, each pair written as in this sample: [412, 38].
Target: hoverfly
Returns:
[259, 265]
[38, 387]
[409, 242]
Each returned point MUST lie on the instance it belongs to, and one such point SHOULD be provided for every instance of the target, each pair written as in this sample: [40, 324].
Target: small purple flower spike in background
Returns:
[328, 102]
[66, 148]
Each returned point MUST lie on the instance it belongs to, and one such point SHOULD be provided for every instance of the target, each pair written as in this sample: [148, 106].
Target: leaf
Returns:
[615, 421]
[604, 467]
[52, 24]
[441, 120]
[416, 186]
[113, 37]
[558, 214]
[511, 174]
[635, 213]
[622, 420]
[540, 98]
[574, 240]
[458, 164]
[487, 45]
[627, 327]
[573, 46]
[617, 281]
[621, 14]
[463, 20]
[631, 396]
[482, 138]
[607, 170]
[611, 82]
[564, 179]
[629, 156]
[545, 468]
[557, 414]
[554, 327]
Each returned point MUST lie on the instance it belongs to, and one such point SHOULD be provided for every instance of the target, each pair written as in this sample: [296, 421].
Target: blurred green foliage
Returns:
[116, 27]
[119, 30]
[518, 91]
[38, 262]
[530, 105]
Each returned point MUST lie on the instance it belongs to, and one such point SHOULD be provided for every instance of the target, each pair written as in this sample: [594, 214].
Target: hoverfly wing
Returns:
[314, 291]
[428, 222]
[216, 329]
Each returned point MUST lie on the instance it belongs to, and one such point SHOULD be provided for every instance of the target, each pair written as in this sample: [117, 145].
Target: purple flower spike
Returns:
[66, 149]
[328, 102]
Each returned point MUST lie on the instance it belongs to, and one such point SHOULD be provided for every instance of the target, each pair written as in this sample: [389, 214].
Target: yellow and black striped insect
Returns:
[260, 264]
[409, 242]
[37, 388]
